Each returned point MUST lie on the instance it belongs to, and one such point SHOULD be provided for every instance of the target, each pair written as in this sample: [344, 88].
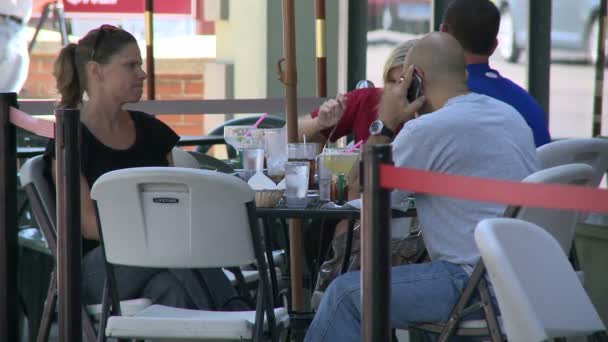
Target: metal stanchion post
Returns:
[8, 222]
[375, 249]
[67, 141]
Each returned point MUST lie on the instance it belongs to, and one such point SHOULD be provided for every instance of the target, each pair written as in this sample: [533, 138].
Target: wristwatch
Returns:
[378, 128]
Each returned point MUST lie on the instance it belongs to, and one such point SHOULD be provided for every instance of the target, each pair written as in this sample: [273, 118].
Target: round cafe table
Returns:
[314, 210]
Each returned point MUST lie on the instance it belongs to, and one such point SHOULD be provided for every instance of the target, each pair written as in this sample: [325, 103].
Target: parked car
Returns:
[574, 27]
[407, 15]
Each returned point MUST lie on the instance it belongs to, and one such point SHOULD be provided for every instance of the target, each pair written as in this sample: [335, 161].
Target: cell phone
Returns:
[415, 89]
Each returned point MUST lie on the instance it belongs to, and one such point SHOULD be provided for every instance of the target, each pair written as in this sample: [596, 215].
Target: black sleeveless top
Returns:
[154, 140]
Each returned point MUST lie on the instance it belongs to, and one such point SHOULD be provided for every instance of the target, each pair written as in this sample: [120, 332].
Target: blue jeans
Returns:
[419, 293]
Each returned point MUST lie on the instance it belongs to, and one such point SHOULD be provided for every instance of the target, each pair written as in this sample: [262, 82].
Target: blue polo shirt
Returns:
[484, 80]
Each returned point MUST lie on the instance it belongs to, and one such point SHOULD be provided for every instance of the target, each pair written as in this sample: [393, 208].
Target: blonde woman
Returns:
[353, 113]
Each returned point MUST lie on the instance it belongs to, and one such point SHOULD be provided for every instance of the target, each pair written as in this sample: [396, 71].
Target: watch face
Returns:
[376, 127]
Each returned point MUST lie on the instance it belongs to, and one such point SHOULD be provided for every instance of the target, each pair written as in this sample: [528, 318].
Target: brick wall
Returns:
[181, 87]
[175, 79]
[40, 83]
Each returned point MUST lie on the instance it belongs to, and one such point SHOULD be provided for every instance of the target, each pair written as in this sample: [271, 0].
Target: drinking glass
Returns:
[340, 161]
[304, 153]
[324, 179]
[253, 161]
[296, 184]
[236, 137]
[275, 147]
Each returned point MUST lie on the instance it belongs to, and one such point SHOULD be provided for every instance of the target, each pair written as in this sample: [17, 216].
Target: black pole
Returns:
[437, 15]
[539, 52]
[8, 222]
[376, 265]
[598, 97]
[68, 223]
[357, 42]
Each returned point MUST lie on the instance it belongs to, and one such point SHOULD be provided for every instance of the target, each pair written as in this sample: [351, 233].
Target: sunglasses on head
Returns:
[101, 32]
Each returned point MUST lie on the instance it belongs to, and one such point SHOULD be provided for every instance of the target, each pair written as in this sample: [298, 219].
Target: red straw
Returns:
[256, 124]
[355, 146]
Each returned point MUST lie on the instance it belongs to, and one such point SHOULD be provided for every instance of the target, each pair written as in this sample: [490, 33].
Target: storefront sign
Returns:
[180, 8]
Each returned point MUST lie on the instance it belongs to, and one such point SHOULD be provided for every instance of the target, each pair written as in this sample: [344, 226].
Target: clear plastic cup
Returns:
[324, 178]
[253, 161]
[296, 184]
[304, 152]
[240, 137]
[237, 137]
[339, 162]
[275, 147]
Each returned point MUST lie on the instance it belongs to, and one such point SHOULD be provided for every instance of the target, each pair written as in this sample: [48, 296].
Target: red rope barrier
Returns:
[43, 128]
[549, 196]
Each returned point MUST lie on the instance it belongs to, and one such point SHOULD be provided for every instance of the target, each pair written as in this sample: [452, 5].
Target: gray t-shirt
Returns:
[472, 135]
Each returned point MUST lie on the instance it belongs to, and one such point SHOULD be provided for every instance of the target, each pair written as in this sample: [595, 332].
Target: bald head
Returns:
[440, 58]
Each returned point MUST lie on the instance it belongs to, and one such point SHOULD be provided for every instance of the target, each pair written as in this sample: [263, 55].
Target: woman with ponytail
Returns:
[106, 65]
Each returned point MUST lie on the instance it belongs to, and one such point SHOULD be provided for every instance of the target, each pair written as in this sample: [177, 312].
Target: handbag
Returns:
[407, 250]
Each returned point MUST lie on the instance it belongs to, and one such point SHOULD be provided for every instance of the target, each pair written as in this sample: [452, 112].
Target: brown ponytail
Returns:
[70, 67]
[67, 75]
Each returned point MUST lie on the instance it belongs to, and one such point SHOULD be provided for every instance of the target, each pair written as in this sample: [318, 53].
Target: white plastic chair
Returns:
[559, 223]
[591, 151]
[41, 196]
[183, 218]
[249, 278]
[539, 295]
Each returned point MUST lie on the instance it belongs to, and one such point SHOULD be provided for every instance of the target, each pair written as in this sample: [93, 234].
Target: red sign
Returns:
[163, 7]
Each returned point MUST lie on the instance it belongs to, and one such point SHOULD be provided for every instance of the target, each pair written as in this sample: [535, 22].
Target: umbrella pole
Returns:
[290, 80]
[321, 49]
[598, 97]
[149, 18]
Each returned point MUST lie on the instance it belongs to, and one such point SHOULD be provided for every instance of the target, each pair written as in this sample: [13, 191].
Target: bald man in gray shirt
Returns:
[459, 132]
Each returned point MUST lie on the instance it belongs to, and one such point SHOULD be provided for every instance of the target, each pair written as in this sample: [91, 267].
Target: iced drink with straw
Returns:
[296, 183]
[306, 153]
[239, 138]
[340, 161]
[275, 148]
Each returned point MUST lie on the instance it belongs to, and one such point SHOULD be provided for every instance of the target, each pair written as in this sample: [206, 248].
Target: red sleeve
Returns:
[361, 105]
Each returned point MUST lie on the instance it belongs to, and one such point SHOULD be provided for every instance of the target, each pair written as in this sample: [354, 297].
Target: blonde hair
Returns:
[397, 57]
